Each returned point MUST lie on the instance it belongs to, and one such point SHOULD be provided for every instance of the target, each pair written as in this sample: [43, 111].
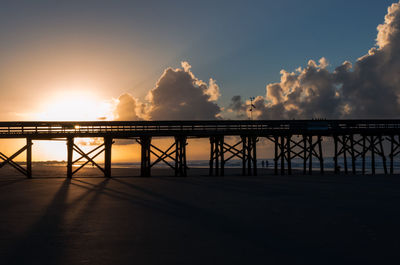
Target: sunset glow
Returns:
[75, 105]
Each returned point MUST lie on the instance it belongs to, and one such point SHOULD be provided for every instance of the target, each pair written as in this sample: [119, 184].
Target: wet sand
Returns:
[197, 220]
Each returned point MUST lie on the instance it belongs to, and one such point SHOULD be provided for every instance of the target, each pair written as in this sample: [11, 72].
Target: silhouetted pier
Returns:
[352, 139]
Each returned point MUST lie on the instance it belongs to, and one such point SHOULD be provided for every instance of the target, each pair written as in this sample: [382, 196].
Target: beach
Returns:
[265, 219]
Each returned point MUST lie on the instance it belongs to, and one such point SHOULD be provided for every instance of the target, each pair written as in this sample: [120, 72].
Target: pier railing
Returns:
[192, 128]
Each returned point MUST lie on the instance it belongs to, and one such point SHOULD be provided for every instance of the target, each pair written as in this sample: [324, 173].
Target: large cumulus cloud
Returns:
[177, 95]
[368, 89]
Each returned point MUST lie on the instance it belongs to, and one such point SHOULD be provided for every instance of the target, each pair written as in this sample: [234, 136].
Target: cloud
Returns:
[388, 33]
[128, 108]
[368, 89]
[308, 92]
[179, 95]
[212, 90]
[238, 106]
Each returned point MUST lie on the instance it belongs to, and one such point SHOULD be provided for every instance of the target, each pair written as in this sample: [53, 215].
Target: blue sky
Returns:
[241, 44]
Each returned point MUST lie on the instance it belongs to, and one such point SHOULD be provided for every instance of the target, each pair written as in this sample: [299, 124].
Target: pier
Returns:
[352, 140]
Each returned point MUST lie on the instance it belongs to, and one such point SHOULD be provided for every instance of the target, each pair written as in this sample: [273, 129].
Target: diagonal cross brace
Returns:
[85, 155]
[9, 160]
[236, 152]
[164, 155]
[88, 158]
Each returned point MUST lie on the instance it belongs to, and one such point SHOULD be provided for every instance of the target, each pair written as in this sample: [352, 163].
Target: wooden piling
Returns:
[107, 156]
[282, 146]
[29, 157]
[310, 153]
[70, 150]
[344, 147]
[276, 155]
[383, 155]
[391, 153]
[288, 154]
[364, 151]
[145, 168]
[212, 147]
[245, 155]
[254, 156]
[221, 154]
[335, 157]
[321, 158]
[304, 154]
[372, 147]
[353, 158]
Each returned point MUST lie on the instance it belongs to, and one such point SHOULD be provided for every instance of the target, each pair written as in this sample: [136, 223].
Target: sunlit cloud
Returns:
[177, 95]
[129, 108]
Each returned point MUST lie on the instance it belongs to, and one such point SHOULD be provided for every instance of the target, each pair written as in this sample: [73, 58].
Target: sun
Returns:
[75, 105]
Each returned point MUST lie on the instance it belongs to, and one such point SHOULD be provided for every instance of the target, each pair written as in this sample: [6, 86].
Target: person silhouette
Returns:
[262, 164]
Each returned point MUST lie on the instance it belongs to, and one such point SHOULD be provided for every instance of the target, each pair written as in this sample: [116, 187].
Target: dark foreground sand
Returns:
[198, 220]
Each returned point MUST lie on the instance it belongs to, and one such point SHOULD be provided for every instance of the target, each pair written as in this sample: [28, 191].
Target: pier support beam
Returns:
[108, 141]
[313, 151]
[145, 143]
[249, 158]
[217, 161]
[320, 153]
[180, 156]
[279, 154]
[372, 149]
[304, 154]
[335, 155]
[352, 153]
[364, 151]
[289, 153]
[29, 157]
[254, 143]
[244, 152]
[276, 154]
[382, 154]
[394, 150]
[282, 148]
[70, 152]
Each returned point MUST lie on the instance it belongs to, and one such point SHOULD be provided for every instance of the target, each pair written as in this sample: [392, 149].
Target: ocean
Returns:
[297, 163]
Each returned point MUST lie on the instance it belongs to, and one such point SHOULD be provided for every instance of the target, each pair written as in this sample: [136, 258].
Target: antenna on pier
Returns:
[251, 107]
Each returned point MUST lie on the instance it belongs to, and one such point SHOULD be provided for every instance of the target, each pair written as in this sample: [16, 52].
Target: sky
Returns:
[53, 50]
[123, 60]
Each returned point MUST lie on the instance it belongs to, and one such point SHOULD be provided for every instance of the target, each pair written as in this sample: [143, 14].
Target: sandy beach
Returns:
[197, 220]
